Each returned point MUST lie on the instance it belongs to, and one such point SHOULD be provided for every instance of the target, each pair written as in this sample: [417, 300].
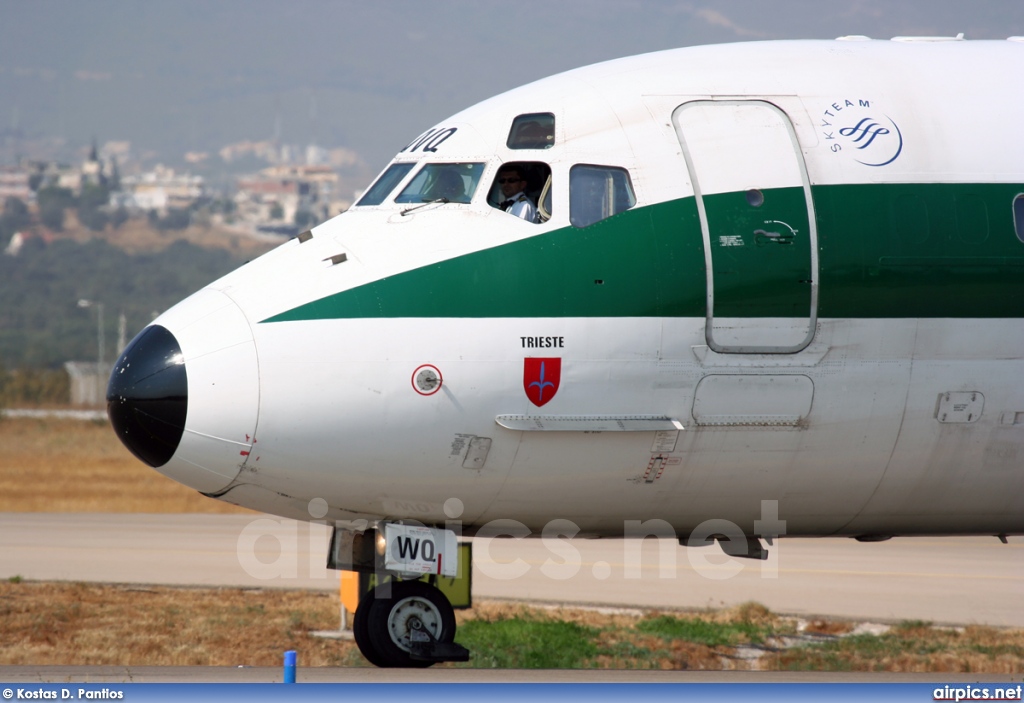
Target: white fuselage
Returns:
[861, 423]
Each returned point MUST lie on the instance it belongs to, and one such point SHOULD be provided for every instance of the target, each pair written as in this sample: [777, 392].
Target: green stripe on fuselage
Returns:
[886, 251]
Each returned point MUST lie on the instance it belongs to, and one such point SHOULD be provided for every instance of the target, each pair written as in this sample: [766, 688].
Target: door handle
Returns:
[764, 237]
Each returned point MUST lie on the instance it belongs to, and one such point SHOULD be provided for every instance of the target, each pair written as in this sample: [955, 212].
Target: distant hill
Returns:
[135, 270]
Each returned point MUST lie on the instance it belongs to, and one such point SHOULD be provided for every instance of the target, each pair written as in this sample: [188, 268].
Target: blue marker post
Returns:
[289, 666]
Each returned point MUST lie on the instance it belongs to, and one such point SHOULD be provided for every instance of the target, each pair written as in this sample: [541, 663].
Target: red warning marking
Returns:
[440, 379]
[244, 453]
[656, 466]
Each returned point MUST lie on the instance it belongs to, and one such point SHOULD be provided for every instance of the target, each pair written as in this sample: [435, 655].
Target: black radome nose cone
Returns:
[147, 397]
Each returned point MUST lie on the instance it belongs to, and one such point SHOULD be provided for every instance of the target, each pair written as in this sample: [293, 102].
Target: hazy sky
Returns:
[174, 75]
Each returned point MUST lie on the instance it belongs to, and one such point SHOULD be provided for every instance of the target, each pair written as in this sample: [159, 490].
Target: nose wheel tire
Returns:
[391, 630]
[361, 631]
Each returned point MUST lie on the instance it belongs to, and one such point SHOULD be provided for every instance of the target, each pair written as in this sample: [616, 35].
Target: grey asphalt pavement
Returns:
[955, 580]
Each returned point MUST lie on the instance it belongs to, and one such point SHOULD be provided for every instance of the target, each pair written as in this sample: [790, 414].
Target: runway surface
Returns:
[963, 580]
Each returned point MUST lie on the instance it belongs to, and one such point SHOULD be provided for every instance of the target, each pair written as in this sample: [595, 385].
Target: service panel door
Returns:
[757, 220]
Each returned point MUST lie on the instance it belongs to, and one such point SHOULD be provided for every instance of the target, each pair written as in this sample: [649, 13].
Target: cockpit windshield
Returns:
[452, 183]
[385, 184]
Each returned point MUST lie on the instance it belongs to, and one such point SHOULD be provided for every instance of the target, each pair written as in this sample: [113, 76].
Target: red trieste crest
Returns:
[540, 379]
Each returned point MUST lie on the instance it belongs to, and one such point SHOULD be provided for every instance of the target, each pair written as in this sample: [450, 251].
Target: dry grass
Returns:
[92, 624]
[912, 647]
[79, 624]
[828, 627]
[81, 467]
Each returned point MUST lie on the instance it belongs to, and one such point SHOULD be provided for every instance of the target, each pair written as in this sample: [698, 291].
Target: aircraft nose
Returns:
[147, 397]
[184, 396]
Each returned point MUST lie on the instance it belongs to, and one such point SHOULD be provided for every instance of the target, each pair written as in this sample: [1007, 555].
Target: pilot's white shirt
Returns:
[523, 207]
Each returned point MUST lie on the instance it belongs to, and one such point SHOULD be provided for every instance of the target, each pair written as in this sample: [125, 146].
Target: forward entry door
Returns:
[757, 221]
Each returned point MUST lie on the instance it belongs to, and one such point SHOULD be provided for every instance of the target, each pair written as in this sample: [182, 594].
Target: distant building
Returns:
[265, 150]
[92, 170]
[70, 178]
[287, 190]
[119, 150]
[14, 183]
[18, 239]
[160, 189]
[13, 247]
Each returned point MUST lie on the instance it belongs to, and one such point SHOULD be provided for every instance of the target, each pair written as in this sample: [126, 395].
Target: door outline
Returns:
[812, 319]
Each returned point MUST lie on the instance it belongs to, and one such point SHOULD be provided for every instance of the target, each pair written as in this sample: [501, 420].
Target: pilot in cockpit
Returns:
[449, 186]
[513, 186]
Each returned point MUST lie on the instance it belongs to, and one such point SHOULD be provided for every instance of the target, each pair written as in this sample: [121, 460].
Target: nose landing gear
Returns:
[407, 624]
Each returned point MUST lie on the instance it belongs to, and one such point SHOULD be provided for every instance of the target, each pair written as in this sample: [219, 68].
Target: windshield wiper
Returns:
[443, 201]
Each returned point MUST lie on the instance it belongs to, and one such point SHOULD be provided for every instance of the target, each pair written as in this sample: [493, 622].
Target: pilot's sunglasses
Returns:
[503, 181]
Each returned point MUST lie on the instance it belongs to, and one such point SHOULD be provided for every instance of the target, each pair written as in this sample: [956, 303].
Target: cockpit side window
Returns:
[447, 183]
[383, 186]
[598, 192]
[523, 189]
[534, 131]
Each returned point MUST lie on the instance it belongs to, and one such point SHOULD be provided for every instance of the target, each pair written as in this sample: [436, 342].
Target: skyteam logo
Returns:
[540, 379]
[865, 133]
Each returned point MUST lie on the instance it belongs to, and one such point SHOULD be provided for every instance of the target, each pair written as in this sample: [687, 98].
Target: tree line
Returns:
[42, 324]
[34, 387]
